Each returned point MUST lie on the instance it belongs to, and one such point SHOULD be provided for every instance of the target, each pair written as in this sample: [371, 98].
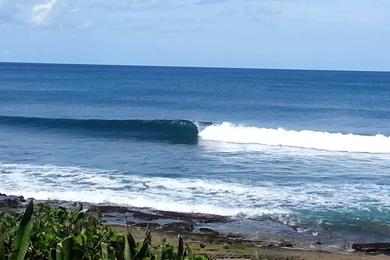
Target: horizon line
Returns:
[189, 66]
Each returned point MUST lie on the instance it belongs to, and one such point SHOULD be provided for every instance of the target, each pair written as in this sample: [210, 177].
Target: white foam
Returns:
[227, 132]
[186, 194]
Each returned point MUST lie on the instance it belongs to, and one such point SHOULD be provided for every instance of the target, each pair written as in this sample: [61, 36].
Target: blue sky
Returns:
[312, 34]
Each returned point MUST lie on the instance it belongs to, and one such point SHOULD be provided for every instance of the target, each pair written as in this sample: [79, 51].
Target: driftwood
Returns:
[372, 248]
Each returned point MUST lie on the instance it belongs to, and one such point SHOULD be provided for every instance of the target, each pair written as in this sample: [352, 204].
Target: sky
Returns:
[292, 34]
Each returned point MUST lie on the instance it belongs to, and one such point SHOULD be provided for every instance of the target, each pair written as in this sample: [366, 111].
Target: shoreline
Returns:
[195, 227]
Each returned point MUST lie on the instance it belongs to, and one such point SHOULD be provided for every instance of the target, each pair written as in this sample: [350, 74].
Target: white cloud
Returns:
[41, 12]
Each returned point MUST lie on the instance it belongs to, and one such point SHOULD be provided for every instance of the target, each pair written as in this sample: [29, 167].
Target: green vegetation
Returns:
[45, 232]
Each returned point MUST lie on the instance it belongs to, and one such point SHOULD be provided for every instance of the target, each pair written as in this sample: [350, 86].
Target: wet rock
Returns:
[144, 225]
[146, 216]
[152, 215]
[271, 245]
[233, 236]
[197, 217]
[209, 231]
[372, 248]
[107, 209]
[12, 202]
[286, 244]
[179, 227]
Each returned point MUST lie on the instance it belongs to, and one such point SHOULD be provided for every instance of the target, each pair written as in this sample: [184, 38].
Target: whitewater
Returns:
[338, 142]
[48, 182]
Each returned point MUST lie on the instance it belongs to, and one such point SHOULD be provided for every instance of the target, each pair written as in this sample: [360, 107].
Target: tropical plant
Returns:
[20, 244]
[60, 234]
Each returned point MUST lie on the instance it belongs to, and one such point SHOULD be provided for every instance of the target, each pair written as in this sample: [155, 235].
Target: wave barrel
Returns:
[176, 131]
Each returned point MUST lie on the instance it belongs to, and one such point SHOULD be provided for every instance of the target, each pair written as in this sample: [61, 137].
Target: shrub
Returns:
[46, 232]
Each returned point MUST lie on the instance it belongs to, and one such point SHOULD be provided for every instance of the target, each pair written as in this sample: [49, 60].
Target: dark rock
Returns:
[107, 209]
[197, 217]
[271, 245]
[209, 231]
[286, 244]
[372, 248]
[144, 225]
[146, 216]
[10, 201]
[179, 226]
[234, 236]
[149, 214]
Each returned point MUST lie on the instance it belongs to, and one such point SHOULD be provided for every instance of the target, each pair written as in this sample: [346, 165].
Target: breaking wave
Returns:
[227, 132]
[187, 131]
[172, 130]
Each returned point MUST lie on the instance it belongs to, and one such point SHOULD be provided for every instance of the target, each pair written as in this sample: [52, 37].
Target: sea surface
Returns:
[305, 153]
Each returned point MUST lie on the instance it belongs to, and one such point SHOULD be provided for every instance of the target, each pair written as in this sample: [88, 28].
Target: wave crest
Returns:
[183, 131]
[227, 132]
[186, 131]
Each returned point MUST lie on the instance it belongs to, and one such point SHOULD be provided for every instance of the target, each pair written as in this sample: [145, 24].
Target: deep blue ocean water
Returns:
[305, 151]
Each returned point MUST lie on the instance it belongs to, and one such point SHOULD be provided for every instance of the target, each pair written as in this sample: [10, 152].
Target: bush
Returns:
[46, 232]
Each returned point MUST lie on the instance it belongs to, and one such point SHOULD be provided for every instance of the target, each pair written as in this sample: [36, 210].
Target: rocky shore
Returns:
[195, 227]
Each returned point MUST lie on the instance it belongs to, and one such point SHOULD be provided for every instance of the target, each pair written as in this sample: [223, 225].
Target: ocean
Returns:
[293, 152]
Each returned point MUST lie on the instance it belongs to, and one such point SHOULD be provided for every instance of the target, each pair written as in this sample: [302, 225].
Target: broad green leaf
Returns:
[128, 250]
[104, 251]
[59, 253]
[67, 247]
[23, 235]
[2, 250]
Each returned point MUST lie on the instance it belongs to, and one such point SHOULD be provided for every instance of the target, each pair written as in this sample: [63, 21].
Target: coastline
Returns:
[195, 227]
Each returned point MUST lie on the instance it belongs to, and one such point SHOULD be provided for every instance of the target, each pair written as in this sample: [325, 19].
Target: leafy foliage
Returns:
[60, 234]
